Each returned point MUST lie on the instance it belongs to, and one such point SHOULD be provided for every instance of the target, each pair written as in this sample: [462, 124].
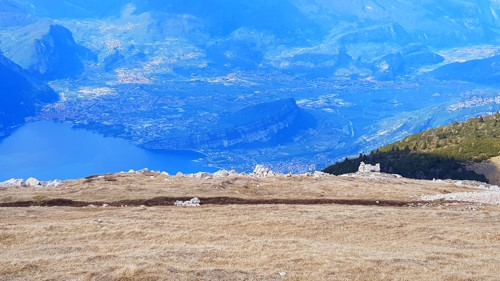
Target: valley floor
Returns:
[372, 229]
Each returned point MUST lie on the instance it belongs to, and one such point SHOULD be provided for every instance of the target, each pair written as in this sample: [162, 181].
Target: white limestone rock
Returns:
[221, 174]
[261, 172]
[319, 174]
[202, 175]
[367, 168]
[13, 182]
[194, 202]
[32, 182]
[54, 183]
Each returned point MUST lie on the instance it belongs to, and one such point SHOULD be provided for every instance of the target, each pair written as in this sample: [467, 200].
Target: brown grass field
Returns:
[333, 228]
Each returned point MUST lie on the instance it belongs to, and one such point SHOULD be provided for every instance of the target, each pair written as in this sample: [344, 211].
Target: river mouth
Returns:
[49, 150]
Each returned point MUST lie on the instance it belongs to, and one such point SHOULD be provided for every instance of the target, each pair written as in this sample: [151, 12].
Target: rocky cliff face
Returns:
[483, 71]
[46, 51]
[57, 55]
[263, 123]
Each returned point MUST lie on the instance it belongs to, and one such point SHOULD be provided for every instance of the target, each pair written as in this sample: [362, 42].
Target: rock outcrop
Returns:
[31, 182]
[19, 94]
[367, 168]
[13, 182]
[260, 172]
[194, 202]
[48, 51]
[270, 122]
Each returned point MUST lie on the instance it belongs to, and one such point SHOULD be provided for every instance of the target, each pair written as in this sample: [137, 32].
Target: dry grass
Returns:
[148, 185]
[248, 242]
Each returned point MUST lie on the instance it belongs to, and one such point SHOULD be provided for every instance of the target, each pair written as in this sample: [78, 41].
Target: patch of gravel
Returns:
[486, 197]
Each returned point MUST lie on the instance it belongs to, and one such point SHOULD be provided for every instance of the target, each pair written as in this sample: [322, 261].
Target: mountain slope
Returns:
[48, 51]
[12, 14]
[443, 152]
[262, 124]
[19, 95]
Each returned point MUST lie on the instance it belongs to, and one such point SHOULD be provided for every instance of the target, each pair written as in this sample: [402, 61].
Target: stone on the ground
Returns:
[261, 172]
[54, 183]
[319, 174]
[33, 182]
[13, 182]
[202, 175]
[194, 202]
[367, 168]
[221, 174]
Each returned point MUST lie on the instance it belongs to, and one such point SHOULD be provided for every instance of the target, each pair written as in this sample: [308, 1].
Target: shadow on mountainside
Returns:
[410, 164]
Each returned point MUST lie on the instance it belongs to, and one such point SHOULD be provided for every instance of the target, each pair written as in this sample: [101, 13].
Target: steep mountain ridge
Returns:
[47, 51]
[444, 152]
[20, 95]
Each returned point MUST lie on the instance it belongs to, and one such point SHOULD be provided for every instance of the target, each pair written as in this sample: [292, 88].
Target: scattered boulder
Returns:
[13, 182]
[367, 168]
[33, 182]
[202, 175]
[54, 183]
[319, 174]
[221, 174]
[194, 202]
[261, 172]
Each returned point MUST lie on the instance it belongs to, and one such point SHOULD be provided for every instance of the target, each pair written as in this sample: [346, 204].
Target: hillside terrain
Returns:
[21, 95]
[444, 152]
[322, 227]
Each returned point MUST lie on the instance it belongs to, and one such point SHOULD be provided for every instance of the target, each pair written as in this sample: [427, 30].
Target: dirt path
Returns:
[169, 201]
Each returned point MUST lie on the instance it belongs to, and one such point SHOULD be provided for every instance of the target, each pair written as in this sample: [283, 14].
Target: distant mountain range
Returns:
[167, 74]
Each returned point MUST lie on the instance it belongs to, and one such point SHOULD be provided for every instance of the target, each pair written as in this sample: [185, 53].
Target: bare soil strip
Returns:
[169, 201]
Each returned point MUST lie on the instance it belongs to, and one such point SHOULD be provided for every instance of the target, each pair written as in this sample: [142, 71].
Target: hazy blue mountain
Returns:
[295, 84]
[47, 50]
[57, 9]
[19, 95]
[439, 23]
[13, 14]
[266, 124]
[484, 71]
[57, 55]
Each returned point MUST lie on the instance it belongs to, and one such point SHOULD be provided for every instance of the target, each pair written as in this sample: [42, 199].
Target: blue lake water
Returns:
[47, 150]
